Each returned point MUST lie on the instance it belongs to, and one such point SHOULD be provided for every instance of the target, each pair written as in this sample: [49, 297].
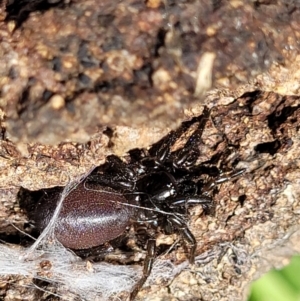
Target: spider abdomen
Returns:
[88, 217]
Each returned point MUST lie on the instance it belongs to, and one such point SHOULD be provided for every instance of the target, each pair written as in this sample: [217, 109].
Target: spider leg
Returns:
[109, 175]
[192, 200]
[189, 237]
[186, 235]
[111, 181]
[188, 154]
[148, 264]
[162, 149]
[116, 164]
[221, 179]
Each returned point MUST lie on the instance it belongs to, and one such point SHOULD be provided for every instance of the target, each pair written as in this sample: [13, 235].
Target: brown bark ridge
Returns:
[83, 79]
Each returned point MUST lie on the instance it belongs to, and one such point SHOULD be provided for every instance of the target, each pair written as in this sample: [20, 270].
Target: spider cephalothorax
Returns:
[154, 188]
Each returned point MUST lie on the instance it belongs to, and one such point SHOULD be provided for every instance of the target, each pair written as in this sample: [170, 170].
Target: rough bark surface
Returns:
[91, 78]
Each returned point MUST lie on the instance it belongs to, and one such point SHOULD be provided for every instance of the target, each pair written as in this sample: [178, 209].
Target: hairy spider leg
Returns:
[112, 176]
[148, 264]
[110, 181]
[189, 237]
[186, 235]
[188, 154]
[116, 164]
[191, 200]
[222, 178]
[162, 149]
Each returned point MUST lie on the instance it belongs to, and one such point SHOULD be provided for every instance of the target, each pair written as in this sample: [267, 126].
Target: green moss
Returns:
[279, 285]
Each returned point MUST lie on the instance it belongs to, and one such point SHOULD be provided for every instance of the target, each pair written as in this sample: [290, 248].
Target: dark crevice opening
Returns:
[279, 117]
[268, 147]
[19, 10]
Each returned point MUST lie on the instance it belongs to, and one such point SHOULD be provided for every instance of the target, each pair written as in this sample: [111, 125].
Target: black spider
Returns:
[155, 189]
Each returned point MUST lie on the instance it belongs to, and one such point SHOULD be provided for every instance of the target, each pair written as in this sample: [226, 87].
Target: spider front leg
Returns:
[179, 224]
[189, 237]
[114, 173]
[148, 264]
[192, 200]
[161, 151]
[222, 178]
[189, 153]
